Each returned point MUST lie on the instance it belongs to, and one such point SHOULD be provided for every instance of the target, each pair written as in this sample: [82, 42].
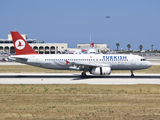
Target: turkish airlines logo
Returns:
[20, 44]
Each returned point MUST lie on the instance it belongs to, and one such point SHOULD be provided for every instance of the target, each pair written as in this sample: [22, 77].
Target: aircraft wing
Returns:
[87, 64]
[91, 65]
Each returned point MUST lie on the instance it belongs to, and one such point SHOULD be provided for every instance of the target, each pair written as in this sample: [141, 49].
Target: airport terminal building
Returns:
[6, 46]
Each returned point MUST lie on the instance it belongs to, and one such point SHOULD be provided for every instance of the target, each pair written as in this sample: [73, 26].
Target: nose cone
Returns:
[149, 64]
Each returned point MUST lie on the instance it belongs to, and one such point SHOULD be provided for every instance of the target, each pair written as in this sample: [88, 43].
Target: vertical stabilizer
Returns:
[20, 45]
[92, 45]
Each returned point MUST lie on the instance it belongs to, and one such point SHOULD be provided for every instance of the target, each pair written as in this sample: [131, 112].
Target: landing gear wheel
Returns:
[132, 75]
[83, 74]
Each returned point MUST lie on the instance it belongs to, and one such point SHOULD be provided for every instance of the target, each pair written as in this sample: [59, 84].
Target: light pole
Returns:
[107, 32]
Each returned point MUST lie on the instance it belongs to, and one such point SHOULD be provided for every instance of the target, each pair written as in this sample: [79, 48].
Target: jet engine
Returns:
[100, 71]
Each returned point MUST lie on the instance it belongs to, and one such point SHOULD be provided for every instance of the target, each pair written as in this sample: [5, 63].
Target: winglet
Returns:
[20, 45]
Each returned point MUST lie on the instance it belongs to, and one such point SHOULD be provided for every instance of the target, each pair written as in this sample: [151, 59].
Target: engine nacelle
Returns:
[101, 71]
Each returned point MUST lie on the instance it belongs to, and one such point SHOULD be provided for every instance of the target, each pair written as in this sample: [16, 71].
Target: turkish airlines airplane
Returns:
[96, 64]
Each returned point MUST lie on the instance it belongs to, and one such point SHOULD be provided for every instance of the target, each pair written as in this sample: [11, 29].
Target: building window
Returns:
[52, 48]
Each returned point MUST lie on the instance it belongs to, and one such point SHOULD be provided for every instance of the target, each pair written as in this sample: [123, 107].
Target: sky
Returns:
[134, 22]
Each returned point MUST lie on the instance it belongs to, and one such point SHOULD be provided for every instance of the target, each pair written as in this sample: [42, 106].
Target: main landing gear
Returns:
[83, 74]
[132, 75]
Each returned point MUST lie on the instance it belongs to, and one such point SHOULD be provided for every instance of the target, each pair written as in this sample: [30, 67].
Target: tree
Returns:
[151, 47]
[129, 46]
[140, 47]
[117, 44]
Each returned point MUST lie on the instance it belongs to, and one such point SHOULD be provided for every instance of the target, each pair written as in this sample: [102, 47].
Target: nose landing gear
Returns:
[132, 75]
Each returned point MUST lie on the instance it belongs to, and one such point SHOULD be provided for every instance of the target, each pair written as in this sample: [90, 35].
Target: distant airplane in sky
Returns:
[96, 64]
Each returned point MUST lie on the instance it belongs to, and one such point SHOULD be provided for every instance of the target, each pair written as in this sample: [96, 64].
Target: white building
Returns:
[6, 45]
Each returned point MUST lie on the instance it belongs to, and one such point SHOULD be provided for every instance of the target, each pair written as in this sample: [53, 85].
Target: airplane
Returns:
[74, 51]
[90, 50]
[96, 64]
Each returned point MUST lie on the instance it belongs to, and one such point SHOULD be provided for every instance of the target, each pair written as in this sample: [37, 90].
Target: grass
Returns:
[80, 102]
[32, 69]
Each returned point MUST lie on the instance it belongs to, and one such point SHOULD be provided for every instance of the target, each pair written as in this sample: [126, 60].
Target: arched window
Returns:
[1, 48]
[12, 50]
[41, 50]
[6, 49]
[52, 48]
[46, 50]
[35, 48]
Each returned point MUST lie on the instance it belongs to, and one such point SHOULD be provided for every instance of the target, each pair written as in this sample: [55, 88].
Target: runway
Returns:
[67, 78]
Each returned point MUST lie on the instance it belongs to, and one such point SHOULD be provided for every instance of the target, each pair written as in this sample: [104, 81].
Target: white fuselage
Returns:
[114, 61]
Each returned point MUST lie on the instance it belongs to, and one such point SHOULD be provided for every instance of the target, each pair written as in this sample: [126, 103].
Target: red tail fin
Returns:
[92, 45]
[20, 45]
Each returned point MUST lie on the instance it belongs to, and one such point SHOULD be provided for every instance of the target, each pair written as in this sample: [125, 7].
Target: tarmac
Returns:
[67, 78]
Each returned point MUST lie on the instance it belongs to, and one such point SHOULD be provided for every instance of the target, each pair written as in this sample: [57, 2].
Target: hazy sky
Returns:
[135, 22]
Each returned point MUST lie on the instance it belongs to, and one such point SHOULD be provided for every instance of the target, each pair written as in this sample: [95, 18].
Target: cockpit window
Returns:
[143, 60]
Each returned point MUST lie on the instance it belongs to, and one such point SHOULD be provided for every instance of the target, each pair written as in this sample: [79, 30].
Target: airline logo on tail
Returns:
[20, 44]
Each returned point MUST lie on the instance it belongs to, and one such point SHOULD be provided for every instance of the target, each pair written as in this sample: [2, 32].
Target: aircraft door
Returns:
[133, 61]
[37, 62]
[32, 60]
